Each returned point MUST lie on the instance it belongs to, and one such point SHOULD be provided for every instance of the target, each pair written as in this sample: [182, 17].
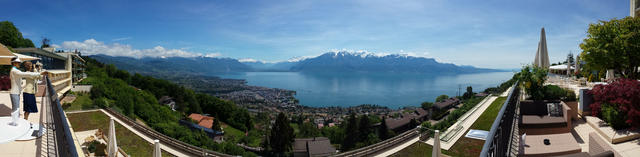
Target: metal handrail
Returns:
[496, 144]
[372, 149]
[177, 144]
[65, 145]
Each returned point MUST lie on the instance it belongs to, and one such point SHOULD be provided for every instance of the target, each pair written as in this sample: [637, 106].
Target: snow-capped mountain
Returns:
[328, 62]
[372, 62]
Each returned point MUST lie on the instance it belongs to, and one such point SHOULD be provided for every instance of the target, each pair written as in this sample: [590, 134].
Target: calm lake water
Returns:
[387, 89]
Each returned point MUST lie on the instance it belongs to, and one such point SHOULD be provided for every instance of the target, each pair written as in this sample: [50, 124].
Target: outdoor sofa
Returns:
[535, 118]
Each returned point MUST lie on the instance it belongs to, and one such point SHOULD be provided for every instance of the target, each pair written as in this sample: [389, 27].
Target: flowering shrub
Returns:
[623, 94]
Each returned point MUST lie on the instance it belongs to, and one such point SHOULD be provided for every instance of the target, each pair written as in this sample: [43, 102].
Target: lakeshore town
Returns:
[586, 104]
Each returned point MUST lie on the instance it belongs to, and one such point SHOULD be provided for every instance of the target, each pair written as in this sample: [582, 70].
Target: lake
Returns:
[387, 89]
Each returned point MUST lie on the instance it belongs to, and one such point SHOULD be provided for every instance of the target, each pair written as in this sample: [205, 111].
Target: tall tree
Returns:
[282, 135]
[613, 44]
[46, 42]
[10, 36]
[413, 123]
[307, 129]
[352, 135]
[570, 58]
[442, 98]
[426, 105]
[383, 130]
[469, 93]
[364, 127]
[216, 124]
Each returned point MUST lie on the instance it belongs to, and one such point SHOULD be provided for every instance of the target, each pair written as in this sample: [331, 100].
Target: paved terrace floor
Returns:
[465, 124]
[581, 129]
[164, 147]
[36, 147]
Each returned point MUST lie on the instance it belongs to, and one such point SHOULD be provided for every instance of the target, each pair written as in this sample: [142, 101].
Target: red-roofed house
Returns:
[204, 121]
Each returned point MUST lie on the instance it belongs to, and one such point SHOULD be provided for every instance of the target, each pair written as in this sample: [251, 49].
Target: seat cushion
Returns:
[543, 121]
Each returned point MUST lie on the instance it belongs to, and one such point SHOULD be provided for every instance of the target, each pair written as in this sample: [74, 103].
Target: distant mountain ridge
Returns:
[327, 62]
[368, 62]
[176, 65]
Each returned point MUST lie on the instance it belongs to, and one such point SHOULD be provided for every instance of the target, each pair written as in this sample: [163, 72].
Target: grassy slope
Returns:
[127, 140]
[464, 146]
[81, 103]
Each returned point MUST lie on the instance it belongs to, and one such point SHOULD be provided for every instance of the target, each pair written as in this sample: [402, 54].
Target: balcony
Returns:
[61, 80]
[500, 141]
[57, 138]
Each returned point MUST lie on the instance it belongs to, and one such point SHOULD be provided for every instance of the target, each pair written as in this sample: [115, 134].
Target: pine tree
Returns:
[364, 128]
[351, 129]
[383, 130]
[216, 124]
[281, 135]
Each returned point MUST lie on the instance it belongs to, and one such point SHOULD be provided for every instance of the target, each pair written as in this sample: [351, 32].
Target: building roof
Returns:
[481, 94]
[421, 112]
[316, 146]
[320, 148]
[393, 123]
[446, 103]
[41, 52]
[560, 67]
[202, 120]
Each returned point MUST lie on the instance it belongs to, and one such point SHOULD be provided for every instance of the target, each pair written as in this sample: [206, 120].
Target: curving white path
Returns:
[466, 125]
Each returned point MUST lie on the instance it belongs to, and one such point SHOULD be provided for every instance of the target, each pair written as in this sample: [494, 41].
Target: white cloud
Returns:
[247, 60]
[93, 47]
[121, 39]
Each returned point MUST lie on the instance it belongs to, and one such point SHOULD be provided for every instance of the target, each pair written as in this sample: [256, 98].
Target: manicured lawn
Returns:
[82, 102]
[464, 146]
[417, 149]
[485, 120]
[127, 140]
[472, 147]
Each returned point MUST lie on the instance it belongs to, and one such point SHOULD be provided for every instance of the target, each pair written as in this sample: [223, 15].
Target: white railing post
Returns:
[436, 144]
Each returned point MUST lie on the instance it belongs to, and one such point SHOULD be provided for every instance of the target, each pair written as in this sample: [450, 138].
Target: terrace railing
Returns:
[63, 142]
[499, 139]
[380, 146]
[166, 140]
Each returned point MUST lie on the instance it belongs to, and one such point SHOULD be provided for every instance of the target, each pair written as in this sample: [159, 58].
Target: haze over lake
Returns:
[393, 90]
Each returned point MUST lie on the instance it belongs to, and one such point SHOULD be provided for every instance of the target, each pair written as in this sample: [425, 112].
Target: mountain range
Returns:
[327, 62]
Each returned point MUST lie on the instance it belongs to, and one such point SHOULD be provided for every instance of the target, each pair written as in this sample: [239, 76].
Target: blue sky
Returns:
[491, 34]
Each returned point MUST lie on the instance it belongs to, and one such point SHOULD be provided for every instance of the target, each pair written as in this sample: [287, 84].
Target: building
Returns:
[202, 120]
[204, 123]
[65, 67]
[481, 94]
[634, 8]
[48, 58]
[401, 123]
[166, 100]
[77, 64]
[316, 146]
[446, 104]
